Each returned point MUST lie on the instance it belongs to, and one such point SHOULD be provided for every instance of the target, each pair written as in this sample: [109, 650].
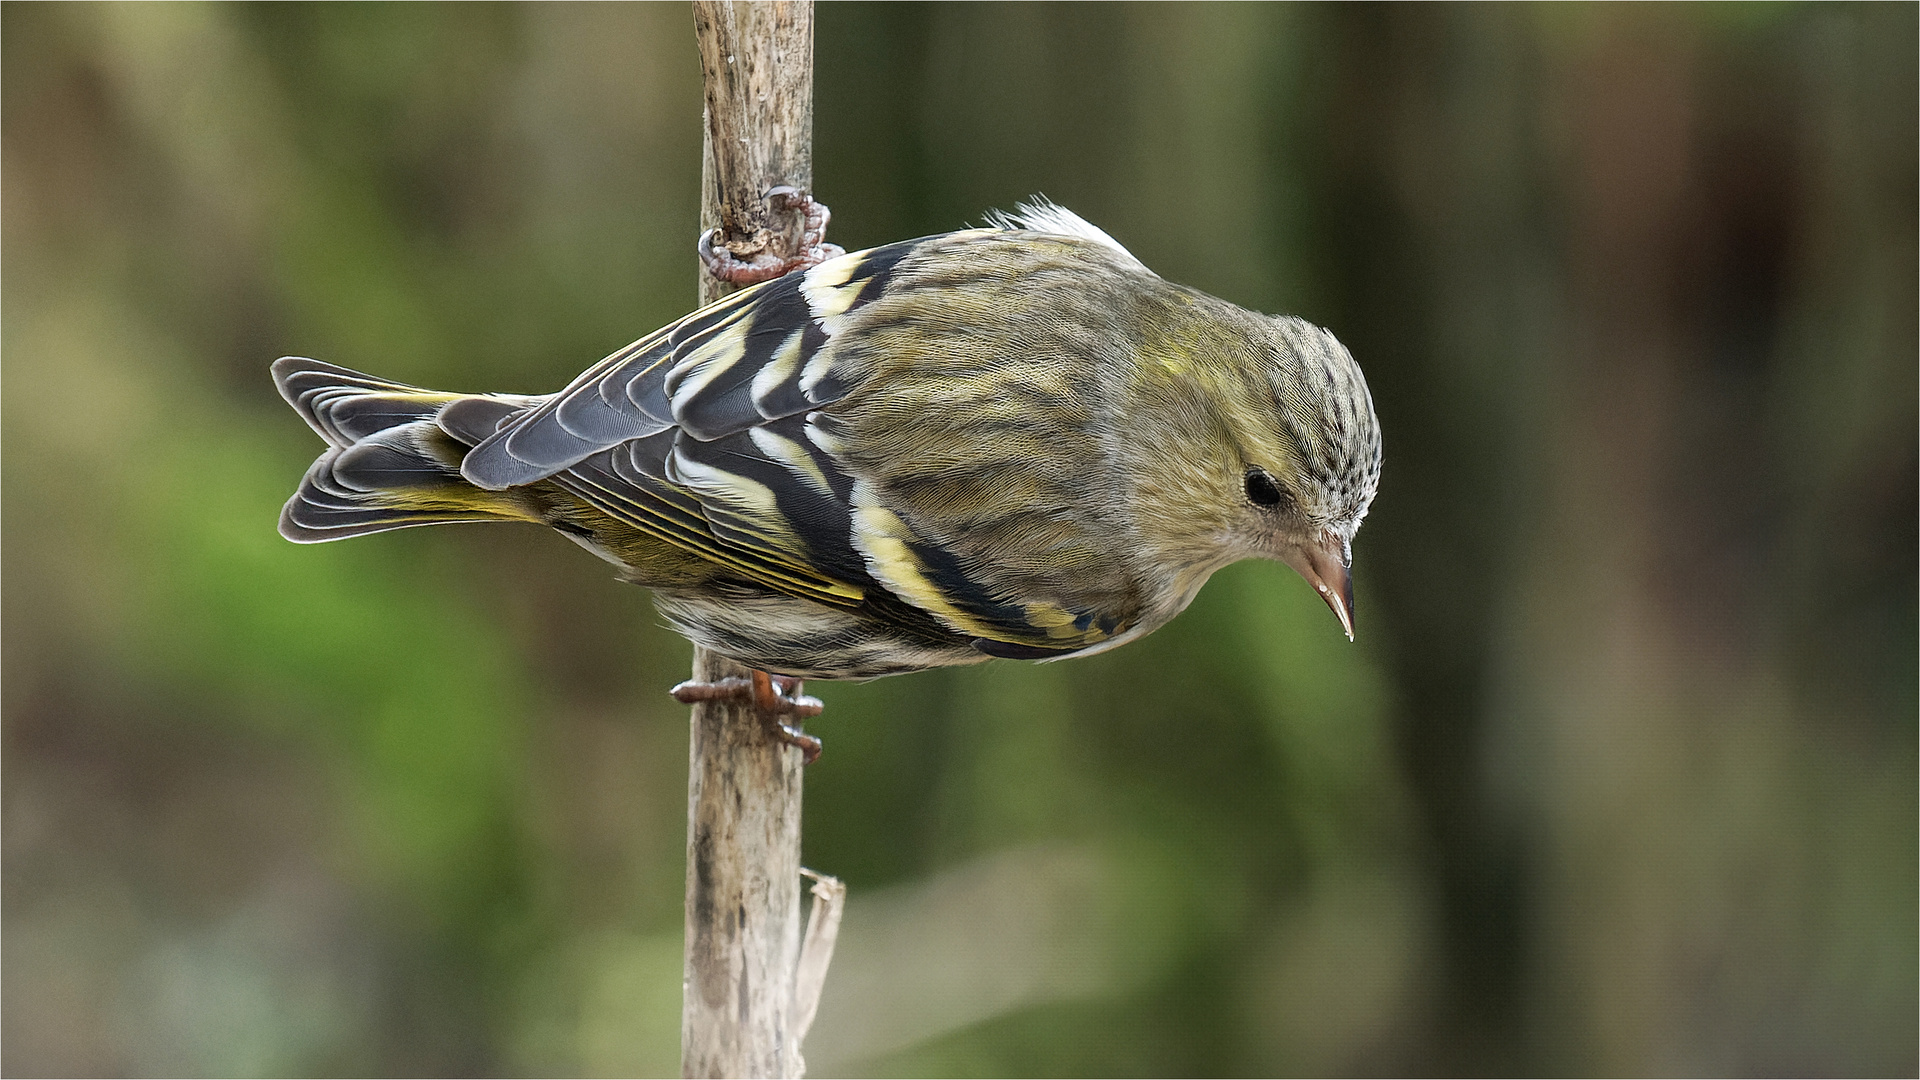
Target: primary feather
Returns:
[1013, 441]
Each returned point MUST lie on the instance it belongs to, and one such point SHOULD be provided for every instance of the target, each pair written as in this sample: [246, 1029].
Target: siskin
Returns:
[1014, 441]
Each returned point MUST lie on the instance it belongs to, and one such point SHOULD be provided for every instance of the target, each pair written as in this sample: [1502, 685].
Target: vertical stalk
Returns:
[743, 788]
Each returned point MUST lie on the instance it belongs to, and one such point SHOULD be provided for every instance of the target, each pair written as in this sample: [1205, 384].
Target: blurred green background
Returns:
[1620, 777]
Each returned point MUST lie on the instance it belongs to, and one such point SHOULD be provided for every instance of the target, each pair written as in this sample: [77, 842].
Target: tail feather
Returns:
[397, 459]
[390, 464]
[345, 406]
[472, 419]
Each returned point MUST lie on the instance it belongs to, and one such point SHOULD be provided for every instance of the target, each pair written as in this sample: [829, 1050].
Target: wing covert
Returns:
[761, 354]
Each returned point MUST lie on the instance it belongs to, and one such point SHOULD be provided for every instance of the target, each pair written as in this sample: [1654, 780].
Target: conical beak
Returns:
[1324, 565]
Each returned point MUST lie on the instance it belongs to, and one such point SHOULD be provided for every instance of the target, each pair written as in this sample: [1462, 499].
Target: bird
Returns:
[1011, 441]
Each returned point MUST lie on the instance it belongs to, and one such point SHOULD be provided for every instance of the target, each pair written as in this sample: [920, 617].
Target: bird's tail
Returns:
[393, 455]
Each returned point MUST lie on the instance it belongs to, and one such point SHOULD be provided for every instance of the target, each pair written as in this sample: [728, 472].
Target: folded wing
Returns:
[704, 434]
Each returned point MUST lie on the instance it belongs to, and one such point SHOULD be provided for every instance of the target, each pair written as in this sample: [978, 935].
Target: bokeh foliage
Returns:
[1619, 778]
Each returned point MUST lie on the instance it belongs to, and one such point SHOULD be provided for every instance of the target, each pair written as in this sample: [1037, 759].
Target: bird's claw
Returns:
[752, 260]
[772, 696]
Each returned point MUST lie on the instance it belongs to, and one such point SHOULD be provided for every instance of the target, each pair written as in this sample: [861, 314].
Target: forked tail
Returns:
[393, 457]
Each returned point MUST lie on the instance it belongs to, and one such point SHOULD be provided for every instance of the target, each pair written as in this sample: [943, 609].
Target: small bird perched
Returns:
[1014, 441]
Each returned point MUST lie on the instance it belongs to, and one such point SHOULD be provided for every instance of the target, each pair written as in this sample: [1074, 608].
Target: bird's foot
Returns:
[774, 697]
[752, 260]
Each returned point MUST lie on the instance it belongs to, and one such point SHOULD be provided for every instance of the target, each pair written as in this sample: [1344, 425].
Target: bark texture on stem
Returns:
[743, 791]
[743, 892]
[757, 58]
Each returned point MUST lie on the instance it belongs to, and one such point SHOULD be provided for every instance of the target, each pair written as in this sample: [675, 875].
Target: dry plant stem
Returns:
[743, 791]
[743, 890]
[757, 58]
[816, 949]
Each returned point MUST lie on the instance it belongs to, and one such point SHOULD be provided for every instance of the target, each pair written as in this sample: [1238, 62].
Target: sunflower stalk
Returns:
[751, 985]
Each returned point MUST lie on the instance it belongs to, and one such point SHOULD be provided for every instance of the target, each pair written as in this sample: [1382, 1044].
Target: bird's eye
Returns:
[1262, 490]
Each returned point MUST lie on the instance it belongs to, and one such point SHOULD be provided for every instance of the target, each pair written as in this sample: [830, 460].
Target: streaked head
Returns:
[1312, 450]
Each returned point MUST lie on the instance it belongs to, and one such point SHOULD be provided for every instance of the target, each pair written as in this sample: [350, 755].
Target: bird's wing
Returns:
[720, 434]
[699, 434]
[755, 356]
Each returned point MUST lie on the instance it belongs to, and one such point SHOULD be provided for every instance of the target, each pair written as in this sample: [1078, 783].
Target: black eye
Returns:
[1262, 490]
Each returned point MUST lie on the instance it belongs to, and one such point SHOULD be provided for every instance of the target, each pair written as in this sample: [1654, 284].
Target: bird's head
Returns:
[1281, 453]
[1312, 450]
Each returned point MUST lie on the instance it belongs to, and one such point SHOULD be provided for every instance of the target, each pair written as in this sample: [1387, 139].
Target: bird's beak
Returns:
[1324, 565]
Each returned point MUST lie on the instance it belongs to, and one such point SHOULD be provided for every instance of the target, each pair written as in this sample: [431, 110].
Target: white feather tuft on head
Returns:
[1043, 215]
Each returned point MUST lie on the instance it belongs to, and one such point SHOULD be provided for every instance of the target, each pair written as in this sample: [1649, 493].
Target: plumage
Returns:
[1014, 441]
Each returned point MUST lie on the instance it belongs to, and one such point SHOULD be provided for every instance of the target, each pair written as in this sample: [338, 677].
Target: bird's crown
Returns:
[1328, 417]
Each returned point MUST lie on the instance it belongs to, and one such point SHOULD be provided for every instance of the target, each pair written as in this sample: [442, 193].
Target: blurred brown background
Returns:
[1619, 778]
